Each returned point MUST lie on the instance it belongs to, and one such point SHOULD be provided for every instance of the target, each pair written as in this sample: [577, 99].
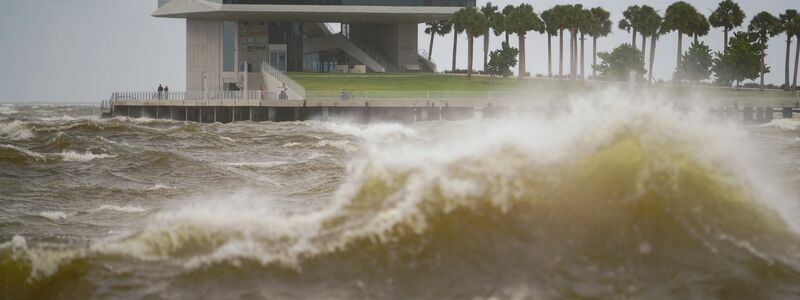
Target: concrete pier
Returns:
[403, 111]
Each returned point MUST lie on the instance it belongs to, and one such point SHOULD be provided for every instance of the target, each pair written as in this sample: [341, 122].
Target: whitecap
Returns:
[72, 156]
[55, 215]
[15, 130]
[27, 152]
[343, 145]
[784, 124]
[127, 208]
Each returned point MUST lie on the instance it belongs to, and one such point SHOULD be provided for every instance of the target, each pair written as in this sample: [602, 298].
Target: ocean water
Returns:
[614, 199]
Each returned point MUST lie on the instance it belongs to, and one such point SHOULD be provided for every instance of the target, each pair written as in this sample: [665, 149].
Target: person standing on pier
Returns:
[166, 92]
[160, 91]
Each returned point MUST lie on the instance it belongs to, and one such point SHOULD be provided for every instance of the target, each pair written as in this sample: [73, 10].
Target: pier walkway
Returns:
[407, 107]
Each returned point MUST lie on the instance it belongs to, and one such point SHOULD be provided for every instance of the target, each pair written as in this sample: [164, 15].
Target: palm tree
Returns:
[680, 17]
[650, 27]
[458, 27]
[700, 26]
[506, 12]
[489, 11]
[790, 27]
[439, 28]
[475, 26]
[728, 15]
[601, 26]
[586, 26]
[796, 28]
[551, 28]
[766, 25]
[649, 22]
[558, 13]
[630, 22]
[573, 17]
[521, 20]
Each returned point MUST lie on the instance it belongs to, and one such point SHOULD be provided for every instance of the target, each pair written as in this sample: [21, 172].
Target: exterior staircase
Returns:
[274, 80]
[373, 60]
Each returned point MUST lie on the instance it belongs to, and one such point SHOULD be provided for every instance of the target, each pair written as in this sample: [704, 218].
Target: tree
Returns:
[489, 11]
[791, 27]
[680, 17]
[623, 63]
[573, 17]
[697, 62]
[700, 26]
[741, 61]
[558, 13]
[506, 12]
[439, 28]
[458, 27]
[796, 21]
[551, 29]
[520, 21]
[474, 24]
[630, 22]
[728, 15]
[766, 25]
[586, 26]
[502, 60]
[600, 27]
[649, 26]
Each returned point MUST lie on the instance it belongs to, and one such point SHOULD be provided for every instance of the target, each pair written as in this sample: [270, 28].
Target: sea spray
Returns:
[613, 198]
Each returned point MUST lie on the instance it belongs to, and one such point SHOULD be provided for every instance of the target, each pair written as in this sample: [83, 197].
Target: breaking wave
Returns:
[15, 130]
[72, 156]
[611, 200]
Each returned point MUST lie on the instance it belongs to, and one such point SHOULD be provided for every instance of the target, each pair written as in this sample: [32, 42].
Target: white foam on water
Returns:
[127, 208]
[343, 145]
[55, 215]
[16, 130]
[42, 261]
[158, 187]
[7, 110]
[71, 156]
[784, 124]
[379, 132]
[29, 153]
[266, 164]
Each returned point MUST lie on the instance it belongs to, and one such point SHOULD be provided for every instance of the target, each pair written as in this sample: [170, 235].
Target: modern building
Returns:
[226, 37]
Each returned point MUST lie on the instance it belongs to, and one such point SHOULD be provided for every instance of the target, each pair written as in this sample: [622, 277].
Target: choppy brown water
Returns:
[608, 201]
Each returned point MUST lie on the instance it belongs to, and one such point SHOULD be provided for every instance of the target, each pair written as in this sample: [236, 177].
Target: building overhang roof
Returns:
[203, 9]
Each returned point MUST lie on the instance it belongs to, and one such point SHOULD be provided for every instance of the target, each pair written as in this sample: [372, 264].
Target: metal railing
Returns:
[268, 69]
[191, 95]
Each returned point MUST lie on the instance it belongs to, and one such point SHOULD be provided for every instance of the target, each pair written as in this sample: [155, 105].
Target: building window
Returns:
[229, 47]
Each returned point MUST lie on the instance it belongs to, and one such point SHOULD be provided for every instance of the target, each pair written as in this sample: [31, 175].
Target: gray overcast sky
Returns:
[82, 50]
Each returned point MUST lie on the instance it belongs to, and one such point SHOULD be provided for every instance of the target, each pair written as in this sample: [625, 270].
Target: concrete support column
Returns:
[787, 113]
[760, 114]
[769, 114]
[748, 114]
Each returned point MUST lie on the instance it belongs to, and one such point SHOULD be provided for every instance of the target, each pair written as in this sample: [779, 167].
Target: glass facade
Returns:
[229, 33]
[357, 2]
[291, 35]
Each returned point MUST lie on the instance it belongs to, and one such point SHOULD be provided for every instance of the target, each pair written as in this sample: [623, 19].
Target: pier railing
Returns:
[724, 98]
[193, 95]
[282, 77]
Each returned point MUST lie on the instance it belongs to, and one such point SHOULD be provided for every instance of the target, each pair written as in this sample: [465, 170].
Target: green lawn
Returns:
[401, 82]
[331, 83]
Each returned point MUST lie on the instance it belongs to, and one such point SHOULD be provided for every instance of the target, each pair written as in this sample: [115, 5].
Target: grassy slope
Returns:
[331, 82]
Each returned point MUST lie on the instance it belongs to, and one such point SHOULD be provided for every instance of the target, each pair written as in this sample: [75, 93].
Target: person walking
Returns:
[166, 92]
[160, 91]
